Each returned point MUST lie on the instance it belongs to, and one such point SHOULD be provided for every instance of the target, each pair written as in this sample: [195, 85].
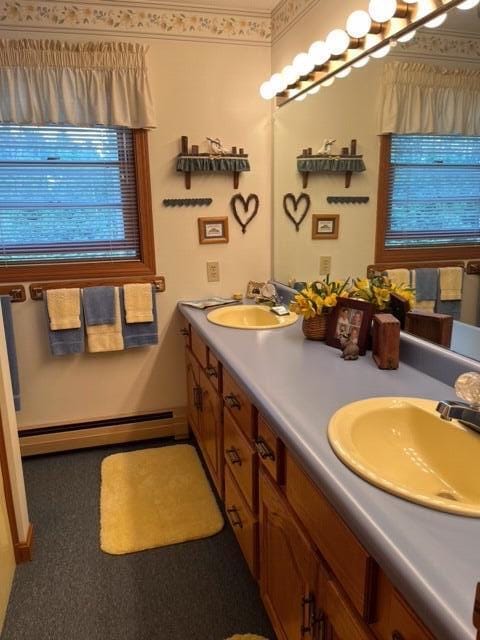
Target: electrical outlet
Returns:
[325, 265]
[213, 272]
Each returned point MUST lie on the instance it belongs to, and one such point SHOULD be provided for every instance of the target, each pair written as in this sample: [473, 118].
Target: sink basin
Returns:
[402, 446]
[243, 316]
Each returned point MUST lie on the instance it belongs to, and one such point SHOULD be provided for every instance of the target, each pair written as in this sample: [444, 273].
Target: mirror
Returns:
[345, 111]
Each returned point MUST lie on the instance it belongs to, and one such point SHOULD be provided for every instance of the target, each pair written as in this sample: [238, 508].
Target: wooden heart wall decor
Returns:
[242, 211]
[296, 209]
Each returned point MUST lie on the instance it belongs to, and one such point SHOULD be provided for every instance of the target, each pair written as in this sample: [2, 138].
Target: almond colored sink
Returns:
[250, 317]
[402, 446]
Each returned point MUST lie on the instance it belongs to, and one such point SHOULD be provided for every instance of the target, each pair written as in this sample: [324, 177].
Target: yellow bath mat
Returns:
[155, 497]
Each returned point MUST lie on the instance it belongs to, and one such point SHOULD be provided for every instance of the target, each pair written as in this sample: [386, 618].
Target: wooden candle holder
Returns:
[386, 341]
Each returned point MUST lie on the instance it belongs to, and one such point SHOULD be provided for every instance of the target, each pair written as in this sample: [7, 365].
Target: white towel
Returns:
[138, 302]
[451, 281]
[399, 276]
[106, 337]
[63, 309]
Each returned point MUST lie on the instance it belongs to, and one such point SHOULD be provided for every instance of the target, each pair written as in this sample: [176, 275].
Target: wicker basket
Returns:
[315, 328]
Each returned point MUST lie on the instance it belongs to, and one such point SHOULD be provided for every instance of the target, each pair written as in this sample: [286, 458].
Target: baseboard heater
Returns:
[79, 435]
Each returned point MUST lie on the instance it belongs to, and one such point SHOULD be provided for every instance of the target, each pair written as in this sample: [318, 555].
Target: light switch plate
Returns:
[213, 272]
[325, 265]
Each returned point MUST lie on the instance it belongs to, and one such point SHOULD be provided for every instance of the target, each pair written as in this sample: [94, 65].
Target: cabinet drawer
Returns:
[395, 619]
[235, 398]
[349, 561]
[241, 459]
[199, 348]
[243, 522]
[270, 450]
[341, 618]
[213, 371]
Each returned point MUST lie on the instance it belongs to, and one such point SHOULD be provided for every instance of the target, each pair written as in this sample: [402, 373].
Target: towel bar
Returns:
[15, 291]
[383, 266]
[37, 289]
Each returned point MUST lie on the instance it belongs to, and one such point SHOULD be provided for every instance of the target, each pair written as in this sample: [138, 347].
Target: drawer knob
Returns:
[235, 517]
[211, 372]
[396, 635]
[184, 332]
[263, 449]
[231, 401]
[234, 456]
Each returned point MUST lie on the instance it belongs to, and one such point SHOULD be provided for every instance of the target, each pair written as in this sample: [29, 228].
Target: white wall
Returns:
[200, 88]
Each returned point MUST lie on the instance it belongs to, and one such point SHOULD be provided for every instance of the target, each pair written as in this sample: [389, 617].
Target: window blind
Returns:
[434, 191]
[67, 194]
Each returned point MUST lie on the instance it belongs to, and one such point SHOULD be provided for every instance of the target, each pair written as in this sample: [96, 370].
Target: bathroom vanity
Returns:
[335, 557]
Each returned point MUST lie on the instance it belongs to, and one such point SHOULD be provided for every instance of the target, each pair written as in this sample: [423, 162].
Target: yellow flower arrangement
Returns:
[319, 297]
[377, 291]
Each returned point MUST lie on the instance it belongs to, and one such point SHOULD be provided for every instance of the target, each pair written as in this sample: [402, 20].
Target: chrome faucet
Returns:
[467, 387]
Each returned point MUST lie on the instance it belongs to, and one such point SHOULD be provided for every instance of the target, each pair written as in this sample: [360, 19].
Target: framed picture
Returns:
[212, 230]
[350, 319]
[325, 227]
[254, 289]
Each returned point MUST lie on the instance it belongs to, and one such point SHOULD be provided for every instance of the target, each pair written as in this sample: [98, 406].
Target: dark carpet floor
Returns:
[200, 590]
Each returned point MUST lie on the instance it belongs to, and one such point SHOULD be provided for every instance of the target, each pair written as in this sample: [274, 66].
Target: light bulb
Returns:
[410, 1]
[358, 24]
[329, 82]
[301, 97]
[408, 36]
[266, 91]
[362, 62]
[337, 42]
[319, 53]
[468, 4]
[436, 22]
[312, 92]
[344, 72]
[303, 64]
[381, 53]
[382, 10]
[289, 74]
[278, 83]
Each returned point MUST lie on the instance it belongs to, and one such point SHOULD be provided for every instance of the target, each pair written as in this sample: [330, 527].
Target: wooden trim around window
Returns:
[104, 269]
[382, 254]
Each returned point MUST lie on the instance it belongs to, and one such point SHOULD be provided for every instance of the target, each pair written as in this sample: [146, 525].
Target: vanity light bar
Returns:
[343, 49]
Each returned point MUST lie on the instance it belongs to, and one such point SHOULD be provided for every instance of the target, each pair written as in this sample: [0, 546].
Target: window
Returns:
[74, 201]
[429, 198]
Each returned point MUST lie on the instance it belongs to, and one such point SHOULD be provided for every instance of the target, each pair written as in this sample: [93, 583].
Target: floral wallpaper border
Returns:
[152, 20]
[287, 13]
[448, 45]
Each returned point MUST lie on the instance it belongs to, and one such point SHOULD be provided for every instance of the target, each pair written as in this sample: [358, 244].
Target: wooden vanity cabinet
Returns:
[193, 391]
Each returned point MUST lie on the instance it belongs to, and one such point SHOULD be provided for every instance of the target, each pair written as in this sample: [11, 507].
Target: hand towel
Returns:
[99, 305]
[399, 276]
[138, 302]
[426, 285]
[66, 341]
[64, 309]
[106, 337]
[11, 350]
[140, 334]
[451, 281]
[425, 305]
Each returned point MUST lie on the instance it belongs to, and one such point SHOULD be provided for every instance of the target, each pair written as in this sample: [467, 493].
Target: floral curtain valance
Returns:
[419, 98]
[82, 84]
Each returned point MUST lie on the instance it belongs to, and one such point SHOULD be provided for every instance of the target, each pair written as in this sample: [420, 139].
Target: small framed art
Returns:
[350, 319]
[212, 230]
[325, 227]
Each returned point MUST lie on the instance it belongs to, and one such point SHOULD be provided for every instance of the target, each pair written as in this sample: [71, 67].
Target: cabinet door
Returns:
[193, 391]
[210, 432]
[288, 567]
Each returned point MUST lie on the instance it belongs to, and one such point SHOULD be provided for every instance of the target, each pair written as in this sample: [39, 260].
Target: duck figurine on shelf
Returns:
[216, 147]
[326, 148]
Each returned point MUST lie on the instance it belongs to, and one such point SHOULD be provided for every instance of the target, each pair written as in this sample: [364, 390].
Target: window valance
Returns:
[419, 98]
[83, 84]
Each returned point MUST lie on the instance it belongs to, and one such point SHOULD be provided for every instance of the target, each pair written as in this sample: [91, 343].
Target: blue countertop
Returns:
[433, 558]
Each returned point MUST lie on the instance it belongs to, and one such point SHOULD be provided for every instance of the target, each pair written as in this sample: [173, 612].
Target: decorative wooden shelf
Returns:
[347, 162]
[195, 162]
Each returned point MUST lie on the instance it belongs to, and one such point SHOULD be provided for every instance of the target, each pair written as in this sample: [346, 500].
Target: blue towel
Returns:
[99, 305]
[11, 350]
[66, 341]
[449, 307]
[139, 334]
[426, 285]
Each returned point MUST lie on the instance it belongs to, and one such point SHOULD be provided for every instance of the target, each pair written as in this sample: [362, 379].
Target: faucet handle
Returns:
[467, 387]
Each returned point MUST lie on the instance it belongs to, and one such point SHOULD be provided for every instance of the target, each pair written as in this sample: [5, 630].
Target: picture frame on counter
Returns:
[350, 319]
[213, 230]
[325, 227]
[254, 289]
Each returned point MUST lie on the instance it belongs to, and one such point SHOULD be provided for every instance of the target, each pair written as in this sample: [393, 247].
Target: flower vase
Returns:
[315, 328]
